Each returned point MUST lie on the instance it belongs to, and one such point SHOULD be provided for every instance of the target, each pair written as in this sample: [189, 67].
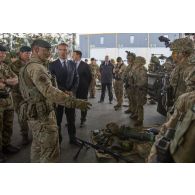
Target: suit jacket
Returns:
[85, 78]
[67, 80]
[106, 72]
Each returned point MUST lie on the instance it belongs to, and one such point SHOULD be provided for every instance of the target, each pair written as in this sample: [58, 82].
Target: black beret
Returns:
[25, 49]
[2, 48]
[41, 43]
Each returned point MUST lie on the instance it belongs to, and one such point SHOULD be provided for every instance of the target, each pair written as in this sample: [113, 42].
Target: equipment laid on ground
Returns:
[121, 143]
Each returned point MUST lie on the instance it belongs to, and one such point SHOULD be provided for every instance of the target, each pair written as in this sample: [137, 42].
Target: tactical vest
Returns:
[35, 104]
[183, 144]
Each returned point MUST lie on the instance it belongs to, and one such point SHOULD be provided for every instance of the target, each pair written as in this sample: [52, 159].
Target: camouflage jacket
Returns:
[140, 77]
[37, 79]
[6, 73]
[178, 77]
[94, 71]
[118, 71]
[168, 67]
[16, 67]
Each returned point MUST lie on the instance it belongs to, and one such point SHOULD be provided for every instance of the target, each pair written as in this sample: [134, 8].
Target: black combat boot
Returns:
[134, 116]
[127, 111]
[2, 157]
[138, 123]
[9, 149]
[25, 140]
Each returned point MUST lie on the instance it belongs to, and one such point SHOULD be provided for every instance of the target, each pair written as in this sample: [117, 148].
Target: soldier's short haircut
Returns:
[63, 44]
[78, 53]
[40, 43]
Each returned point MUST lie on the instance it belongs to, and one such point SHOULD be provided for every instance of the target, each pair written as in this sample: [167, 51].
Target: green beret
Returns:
[25, 49]
[41, 43]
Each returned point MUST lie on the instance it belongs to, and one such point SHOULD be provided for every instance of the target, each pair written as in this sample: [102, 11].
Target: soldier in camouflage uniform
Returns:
[127, 77]
[140, 79]
[95, 74]
[118, 72]
[24, 57]
[39, 94]
[7, 79]
[168, 66]
[181, 148]
[181, 50]
[154, 65]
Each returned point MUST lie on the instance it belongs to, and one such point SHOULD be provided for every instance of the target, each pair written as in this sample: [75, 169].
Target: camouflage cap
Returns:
[130, 54]
[182, 45]
[139, 60]
[2, 48]
[25, 49]
[41, 43]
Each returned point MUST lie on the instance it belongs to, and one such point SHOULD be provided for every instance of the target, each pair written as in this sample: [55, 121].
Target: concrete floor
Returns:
[98, 117]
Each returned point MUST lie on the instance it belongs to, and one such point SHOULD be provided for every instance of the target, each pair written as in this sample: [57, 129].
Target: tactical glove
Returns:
[72, 102]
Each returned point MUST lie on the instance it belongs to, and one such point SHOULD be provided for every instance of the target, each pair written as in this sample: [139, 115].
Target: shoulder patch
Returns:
[43, 78]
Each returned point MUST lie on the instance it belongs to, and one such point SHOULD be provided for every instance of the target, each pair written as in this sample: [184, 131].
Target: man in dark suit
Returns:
[85, 78]
[106, 71]
[67, 80]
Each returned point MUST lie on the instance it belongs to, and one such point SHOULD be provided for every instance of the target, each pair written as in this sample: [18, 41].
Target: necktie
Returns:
[64, 65]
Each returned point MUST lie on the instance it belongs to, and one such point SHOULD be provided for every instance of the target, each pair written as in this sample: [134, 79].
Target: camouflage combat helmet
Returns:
[140, 60]
[155, 60]
[130, 54]
[182, 45]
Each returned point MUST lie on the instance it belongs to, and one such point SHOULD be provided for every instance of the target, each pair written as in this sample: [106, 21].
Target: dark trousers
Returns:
[83, 116]
[70, 117]
[109, 87]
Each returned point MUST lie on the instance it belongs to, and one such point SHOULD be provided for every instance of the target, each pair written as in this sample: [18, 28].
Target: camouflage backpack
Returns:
[182, 146]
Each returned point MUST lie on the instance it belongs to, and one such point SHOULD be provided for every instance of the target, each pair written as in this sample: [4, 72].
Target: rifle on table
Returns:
[100, 149]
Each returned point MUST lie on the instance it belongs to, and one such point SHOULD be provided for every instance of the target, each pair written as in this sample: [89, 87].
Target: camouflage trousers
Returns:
[118, 89]
[6, 127]
[92, 89]
[45, 143]
[141, 99]
[132, 99]
[17, 100]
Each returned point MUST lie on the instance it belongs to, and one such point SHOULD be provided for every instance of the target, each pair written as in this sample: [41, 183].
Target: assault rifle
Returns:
[99, 148]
